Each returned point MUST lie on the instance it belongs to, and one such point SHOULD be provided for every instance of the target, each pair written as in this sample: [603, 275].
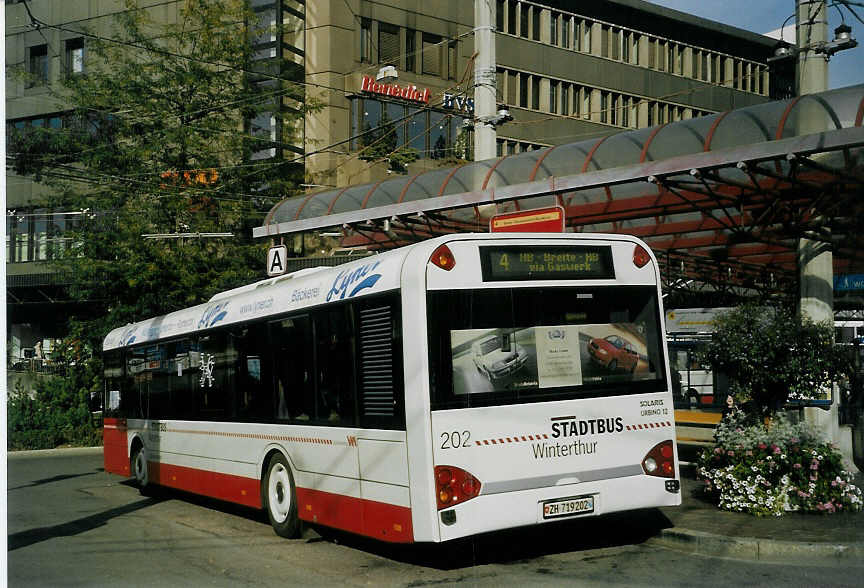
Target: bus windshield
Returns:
[495, 346]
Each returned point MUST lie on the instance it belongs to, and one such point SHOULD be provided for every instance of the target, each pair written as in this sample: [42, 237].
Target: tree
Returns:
[162, 140]
[772, 355]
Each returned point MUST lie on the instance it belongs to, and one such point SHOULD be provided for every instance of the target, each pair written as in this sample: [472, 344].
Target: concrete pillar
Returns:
[485, 104]
[815, 270]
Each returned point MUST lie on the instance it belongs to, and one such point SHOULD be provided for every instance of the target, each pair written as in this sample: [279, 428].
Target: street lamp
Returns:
[843, 40]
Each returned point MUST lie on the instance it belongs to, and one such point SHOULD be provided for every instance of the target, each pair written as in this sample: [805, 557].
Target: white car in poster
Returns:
[496, 356]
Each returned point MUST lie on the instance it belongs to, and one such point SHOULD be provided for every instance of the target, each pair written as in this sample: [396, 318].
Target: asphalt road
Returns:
[71, 524]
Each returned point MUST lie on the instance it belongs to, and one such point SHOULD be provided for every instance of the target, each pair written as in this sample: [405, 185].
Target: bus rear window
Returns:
[508, 346]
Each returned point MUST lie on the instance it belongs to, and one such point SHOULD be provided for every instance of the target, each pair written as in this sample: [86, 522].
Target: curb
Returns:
[764, 550]
[52, 452]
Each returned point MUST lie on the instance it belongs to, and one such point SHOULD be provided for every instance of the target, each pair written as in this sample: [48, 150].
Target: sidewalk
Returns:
[700, 527]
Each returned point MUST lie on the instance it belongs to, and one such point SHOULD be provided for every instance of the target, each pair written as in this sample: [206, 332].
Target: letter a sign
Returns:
[276, 257]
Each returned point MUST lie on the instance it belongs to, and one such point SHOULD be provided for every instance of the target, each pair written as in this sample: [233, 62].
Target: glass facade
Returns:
[389, 126]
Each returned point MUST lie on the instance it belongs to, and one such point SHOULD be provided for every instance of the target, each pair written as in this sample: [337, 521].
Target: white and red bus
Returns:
[456, 386]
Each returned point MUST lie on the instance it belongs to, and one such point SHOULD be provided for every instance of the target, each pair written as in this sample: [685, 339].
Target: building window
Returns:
[604, 41]
[390, 126]
[265, 30]
[523, 19]
[553, 97]
[566, 23]
[511, 17]
[499, 16]
[513, 88]
[604, 107]
[615, 44]
[553, 29]
[431, 54]
[365, 40]
[37, 65]
[388, 44]
[75, 56]
[452, 57]
[535, 92]
[523, 91]
[565, 99]
[410, 50]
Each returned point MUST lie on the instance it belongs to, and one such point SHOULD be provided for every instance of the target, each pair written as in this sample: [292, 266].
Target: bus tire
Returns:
[140, 469]
[280, 498]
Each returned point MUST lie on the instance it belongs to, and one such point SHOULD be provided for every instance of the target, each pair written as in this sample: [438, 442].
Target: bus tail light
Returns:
[660, 461]
[640, 256]
[443, 258]
[454, 486]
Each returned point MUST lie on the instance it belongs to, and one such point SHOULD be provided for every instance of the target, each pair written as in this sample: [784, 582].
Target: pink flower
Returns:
[776, 450]
[730, 453]
[762, 446]
[814, 465]
[833, 483]
[797, 466]
[718, 451]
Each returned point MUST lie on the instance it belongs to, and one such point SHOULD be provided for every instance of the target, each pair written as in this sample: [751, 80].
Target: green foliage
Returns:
[156, 145]
[773, 356]
[58, 412]
[769, 470]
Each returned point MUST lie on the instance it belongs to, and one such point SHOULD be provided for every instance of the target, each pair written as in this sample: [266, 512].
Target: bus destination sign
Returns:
[538, 262]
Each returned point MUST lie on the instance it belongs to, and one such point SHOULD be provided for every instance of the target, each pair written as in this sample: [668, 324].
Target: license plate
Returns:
[566, 507]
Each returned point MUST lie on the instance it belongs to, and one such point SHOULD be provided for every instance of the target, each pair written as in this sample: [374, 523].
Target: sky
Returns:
[846, 68]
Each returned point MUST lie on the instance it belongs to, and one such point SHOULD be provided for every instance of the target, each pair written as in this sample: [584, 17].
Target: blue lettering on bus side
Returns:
[357, 280]
[213, 315]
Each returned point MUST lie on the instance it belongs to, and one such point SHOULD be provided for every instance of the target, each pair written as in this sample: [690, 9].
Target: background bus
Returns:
[352, 397]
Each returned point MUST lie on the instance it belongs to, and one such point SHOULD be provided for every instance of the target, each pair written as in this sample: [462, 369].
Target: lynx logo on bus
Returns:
[356, 280]
[213, 315]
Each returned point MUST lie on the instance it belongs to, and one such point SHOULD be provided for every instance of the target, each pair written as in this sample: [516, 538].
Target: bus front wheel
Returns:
[281, 498]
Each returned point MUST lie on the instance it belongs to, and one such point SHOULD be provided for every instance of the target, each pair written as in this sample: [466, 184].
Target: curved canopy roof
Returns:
[758, 175]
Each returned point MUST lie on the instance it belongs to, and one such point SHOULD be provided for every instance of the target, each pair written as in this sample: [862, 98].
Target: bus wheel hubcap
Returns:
[279, 493]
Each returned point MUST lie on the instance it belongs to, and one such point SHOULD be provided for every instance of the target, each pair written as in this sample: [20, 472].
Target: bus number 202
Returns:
[455, 439]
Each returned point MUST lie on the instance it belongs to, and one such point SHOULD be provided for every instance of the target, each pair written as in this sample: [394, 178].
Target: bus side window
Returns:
[334, 334]
[293, 382]
[184, 377]
[255, 381]
[114, 383]
[216, 375]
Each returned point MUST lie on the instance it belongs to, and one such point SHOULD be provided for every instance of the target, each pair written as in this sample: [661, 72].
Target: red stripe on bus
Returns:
[115, 442]
[386, 522]
[226, 487]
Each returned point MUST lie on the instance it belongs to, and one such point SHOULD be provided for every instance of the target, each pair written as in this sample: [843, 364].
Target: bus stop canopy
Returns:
[722, 198]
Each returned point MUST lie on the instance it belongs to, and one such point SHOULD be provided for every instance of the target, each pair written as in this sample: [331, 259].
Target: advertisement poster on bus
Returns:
[489, 360]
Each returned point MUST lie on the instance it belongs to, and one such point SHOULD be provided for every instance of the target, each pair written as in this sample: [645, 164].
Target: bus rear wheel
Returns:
[140, 469]
[280, 498]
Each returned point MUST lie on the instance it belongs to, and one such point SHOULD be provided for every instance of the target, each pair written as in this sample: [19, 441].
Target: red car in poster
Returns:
[615, 353]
